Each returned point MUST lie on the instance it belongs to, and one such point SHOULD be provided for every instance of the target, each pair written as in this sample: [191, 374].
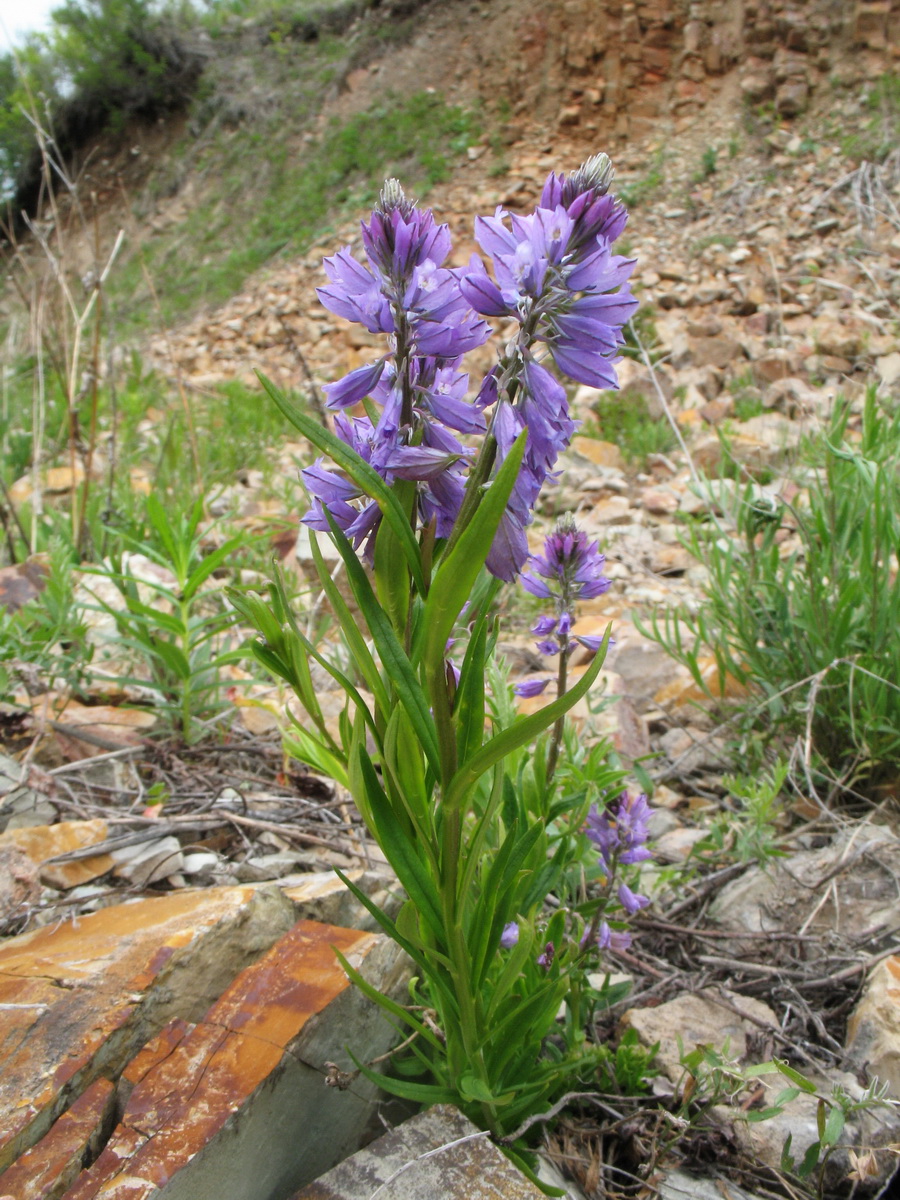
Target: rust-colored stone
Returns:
[47, 1169]
[80, 999]
[189, 1083]
[43, 842]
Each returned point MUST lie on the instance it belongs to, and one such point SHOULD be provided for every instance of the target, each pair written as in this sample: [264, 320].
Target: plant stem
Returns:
[467, 1054]
[561, 681]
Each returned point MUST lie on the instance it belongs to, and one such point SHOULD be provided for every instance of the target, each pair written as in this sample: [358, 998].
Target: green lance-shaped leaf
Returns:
[392, 654]
[385, 1002]
[522, 732]
[468, 708]
[210, 563]
[498, 890]
[391, 569]
[255, 612]
[365, 477]
[303, 746]
[400, 849]
[403, 763]
[281, 653]
[457, 573]
[362, 656]
[421, 1093]
[438, 979]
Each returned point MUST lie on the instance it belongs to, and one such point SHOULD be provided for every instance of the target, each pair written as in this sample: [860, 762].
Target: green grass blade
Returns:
[525, 730]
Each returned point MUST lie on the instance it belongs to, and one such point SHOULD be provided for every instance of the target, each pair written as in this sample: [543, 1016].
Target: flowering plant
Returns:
[427, 497]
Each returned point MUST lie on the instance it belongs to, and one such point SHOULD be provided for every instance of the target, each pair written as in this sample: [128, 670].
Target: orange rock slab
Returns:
[46, 1170]
[192, 1084]
[42, 842]
[79, 999]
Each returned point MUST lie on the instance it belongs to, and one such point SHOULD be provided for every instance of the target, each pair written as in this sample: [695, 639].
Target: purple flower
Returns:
[544, 626]
[620, 830]
[545, 959]
[590, 641]
[549, 648]
[612, 939]
[355, 386]
[631, 901]
[510, 935]
[572, 564]
[530, 687]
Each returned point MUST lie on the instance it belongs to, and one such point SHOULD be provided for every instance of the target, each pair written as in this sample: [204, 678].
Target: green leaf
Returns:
[362, 656]
[523, 731]
[437, 980]
[393, 656]
[174, 659]
[787, 1159]
[422, 1093]
[390, 568]
[805, 1085]
[303, 746]
[810, 1160]
[468, 708]
[364, 476]
[401, 850]
[472, 1088]
[834, 1127]
[255, 612]
[385, 1002]
[403, 761]
[209, 564]
[457, 573]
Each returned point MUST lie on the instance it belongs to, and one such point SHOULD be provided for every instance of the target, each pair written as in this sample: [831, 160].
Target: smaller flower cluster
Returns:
[554, 273]
[620, 832]
[569, 570]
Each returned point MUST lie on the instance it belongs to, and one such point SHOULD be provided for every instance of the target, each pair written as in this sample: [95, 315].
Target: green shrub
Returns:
[101, 63]
[177, 636]
[812, 632]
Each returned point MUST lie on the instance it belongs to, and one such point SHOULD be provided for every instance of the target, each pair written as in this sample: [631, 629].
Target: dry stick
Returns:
[94, 386]
[38, 413]
[179, 378]
[660, 395]
[555, 1111]
[80, 320]
[315, 395]
[777, 281]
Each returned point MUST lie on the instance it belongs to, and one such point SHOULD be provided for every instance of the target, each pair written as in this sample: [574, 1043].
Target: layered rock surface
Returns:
[178, 1047]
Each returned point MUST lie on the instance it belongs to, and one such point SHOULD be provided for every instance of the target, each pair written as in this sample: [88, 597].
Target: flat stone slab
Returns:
[236, 1105]
[437, 1155]
[80, 998]
[177, 1046]
[47, 1169]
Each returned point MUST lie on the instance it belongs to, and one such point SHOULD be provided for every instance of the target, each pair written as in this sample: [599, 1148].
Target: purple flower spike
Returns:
[572, 567]
[530, 687]
[620, 831]
[510, 935]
